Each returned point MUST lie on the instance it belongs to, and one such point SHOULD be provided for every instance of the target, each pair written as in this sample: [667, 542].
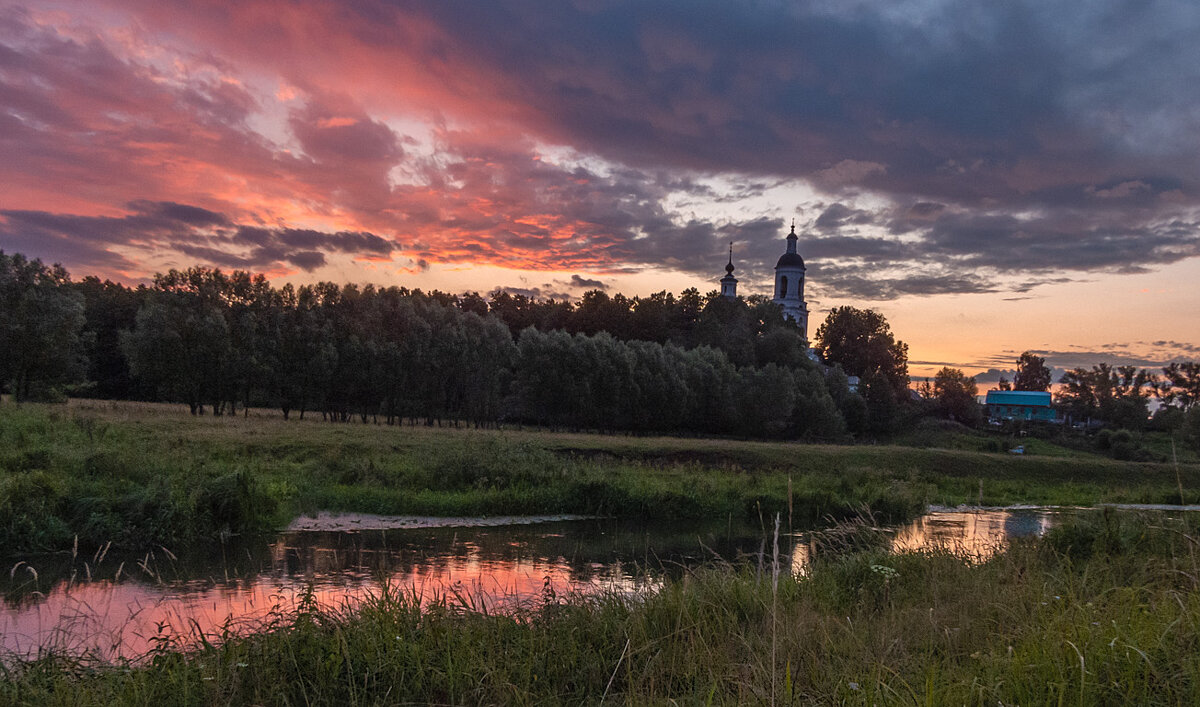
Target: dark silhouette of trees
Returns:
[861, 342]
[180, 345]
[954, 394]
[222, 342]
[1180, 384]
[1118, 395]
[1032, 373]
[41, 321]
[109, 309]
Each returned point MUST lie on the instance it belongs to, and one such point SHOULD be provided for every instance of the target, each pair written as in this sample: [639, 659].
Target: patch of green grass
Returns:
[1105, 610]
[141, 475]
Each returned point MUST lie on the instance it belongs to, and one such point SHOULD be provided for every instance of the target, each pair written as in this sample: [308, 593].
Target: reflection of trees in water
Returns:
[496, 567]
[580, 551]
[233, 566]
[585, 549]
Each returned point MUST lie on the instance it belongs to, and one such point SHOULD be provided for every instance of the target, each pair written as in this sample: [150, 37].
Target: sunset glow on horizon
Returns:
[993, 179]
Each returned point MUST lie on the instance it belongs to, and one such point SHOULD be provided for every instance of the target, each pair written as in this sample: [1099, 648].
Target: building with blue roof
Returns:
[1019, 405]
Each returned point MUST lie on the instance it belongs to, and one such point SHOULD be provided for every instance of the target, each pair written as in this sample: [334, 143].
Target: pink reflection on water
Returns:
[112, 620]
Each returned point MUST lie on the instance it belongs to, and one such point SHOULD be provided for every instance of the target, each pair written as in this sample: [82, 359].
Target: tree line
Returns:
[222, 342]
[1115, 400]
[219, 342]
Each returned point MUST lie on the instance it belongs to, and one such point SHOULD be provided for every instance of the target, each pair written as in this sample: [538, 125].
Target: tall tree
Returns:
[181, 344]
[1032, 373]
[109, 309]
[955, 394]
[728, 324]
[40, 324]
[1180, 385]
[861, 342]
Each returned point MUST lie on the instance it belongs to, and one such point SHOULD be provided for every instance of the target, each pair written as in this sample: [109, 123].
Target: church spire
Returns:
[729, 282]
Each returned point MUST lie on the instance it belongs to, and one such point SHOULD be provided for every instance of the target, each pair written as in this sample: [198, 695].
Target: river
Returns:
[111, 607]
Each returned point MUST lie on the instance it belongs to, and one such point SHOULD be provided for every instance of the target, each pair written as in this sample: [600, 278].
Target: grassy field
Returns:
[1104, 610]
[140, 475]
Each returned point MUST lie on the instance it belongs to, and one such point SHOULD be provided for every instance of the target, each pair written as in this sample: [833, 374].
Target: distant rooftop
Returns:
[1017, 397]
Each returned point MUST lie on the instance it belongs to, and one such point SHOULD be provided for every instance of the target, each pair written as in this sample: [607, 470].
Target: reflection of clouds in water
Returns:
[477, 568]
[977, 535]
[802, 554]
[111, 620]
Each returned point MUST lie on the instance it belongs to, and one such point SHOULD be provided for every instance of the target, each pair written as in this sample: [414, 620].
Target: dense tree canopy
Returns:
[861, 342]
[1180, 385]
[41, 320]
[220, 342]
[1032, 373]
[955, 394]
[1117, 395]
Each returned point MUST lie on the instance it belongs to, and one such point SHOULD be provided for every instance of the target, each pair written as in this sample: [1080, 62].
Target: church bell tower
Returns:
[789, 284]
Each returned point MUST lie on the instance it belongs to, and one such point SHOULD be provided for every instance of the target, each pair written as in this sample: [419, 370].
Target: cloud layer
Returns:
[924, 147]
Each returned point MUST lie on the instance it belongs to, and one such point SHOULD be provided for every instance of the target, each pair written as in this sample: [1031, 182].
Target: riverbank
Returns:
[1104, 610]
[83, 475]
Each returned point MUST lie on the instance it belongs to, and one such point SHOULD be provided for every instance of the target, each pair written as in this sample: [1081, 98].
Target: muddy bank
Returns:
[336, 522]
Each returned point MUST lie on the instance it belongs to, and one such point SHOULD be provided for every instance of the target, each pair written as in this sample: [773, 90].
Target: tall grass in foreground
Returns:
[1101, 611]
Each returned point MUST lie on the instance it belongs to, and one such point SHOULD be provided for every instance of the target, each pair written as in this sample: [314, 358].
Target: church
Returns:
[789, 283]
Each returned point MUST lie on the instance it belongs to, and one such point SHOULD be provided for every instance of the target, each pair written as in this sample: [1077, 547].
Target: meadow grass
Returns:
[141, 475]
[1103, 610]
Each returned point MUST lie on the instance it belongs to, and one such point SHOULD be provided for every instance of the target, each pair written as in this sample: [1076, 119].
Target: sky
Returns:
[992, 177]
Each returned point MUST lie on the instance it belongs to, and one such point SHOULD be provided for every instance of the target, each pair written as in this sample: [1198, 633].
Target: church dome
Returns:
[790, 260]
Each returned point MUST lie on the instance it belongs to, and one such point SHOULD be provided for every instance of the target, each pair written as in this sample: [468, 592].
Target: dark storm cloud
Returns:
[1008, 100]
[190, 215]
[1023, 137]
[586, 282]
[933, 248]
[207, 236]
[839, 215]
[994, 145]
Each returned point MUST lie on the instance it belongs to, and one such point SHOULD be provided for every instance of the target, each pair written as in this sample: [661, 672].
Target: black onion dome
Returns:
[790, 260]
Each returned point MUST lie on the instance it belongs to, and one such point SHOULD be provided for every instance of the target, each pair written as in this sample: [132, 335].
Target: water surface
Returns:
[112, 607]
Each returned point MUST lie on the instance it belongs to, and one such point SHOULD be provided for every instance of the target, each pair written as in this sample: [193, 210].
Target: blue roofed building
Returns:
[1019, 405]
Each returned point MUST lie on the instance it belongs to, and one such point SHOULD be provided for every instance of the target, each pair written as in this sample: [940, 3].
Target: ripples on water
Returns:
[122, 608]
